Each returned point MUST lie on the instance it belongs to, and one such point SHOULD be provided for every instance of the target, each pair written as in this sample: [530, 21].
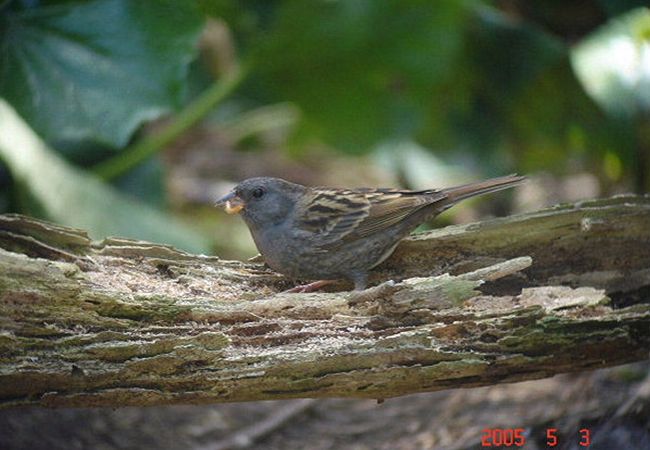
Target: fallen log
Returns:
[122, 322]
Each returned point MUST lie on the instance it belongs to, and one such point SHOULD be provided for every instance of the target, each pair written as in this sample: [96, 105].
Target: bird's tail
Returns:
[458, 193]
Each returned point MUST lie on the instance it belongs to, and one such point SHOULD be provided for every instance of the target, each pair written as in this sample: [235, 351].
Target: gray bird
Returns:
[321, 233]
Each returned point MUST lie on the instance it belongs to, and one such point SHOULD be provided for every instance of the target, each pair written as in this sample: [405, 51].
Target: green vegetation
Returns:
[494, 87]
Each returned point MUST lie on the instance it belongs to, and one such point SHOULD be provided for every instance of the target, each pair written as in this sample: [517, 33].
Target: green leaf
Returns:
[504, 58]
[529, 52]
[613, 64]
[146, 182]
[72, 197]
[96, 70]
[361, 71]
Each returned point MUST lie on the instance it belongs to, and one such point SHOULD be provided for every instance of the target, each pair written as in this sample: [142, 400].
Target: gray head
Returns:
[262, 201]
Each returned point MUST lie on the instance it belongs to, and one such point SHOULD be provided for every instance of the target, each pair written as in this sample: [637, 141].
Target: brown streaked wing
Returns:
[337, 216]
[332, 214]
[388, 207]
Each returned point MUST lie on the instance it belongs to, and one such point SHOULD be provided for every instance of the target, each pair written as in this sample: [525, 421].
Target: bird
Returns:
[328, 234]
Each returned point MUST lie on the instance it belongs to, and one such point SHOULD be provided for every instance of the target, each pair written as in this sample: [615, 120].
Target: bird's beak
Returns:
[231, 203]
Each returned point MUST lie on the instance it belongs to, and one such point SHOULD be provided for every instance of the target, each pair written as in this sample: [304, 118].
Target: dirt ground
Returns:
[612, 405]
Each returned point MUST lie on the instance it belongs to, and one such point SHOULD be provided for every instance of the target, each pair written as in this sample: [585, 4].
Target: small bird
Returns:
[321, 233]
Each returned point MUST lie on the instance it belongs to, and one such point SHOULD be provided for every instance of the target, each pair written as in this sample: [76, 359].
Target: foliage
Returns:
[502, 86]
[86, 76]
[614, 64]
[53, 188]
[96, 70]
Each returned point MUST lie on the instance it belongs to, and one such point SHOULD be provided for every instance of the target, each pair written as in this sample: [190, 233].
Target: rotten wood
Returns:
[123, 322]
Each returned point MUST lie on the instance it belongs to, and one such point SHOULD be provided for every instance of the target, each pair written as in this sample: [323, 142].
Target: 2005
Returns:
[503, 437]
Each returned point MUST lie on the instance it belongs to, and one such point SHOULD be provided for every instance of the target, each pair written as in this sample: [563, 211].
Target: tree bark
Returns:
[123, 322]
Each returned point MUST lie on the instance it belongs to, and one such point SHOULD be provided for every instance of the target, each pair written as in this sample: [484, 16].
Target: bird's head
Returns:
[262, 201]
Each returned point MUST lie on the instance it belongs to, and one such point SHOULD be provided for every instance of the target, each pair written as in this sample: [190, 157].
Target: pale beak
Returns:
[231, 203]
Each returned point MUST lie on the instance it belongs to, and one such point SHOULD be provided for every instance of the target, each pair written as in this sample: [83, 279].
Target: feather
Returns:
[337, 216]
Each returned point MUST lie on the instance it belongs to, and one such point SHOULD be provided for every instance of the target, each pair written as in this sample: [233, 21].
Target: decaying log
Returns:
[123, 322]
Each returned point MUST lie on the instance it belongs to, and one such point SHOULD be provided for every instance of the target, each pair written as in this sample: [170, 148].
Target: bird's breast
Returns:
[279, 248]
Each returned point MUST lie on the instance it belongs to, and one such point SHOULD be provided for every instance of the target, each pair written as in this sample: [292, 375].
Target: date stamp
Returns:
[516, 437]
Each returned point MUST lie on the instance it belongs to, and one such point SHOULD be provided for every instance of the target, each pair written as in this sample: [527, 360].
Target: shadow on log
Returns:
[123, 322]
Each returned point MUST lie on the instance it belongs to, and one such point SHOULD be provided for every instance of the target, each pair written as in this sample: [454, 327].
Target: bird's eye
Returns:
[258, 192]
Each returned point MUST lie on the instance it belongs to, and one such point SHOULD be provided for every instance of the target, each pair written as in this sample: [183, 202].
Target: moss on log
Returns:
[123, 322]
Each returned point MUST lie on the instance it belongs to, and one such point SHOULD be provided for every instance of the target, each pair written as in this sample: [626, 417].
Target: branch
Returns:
[124, 322]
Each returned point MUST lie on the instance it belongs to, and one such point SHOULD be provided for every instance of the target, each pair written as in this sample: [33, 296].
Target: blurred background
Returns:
[145, 112]
[130, 118]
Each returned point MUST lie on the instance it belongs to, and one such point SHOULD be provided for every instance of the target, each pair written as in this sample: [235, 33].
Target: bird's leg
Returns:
[311, 287]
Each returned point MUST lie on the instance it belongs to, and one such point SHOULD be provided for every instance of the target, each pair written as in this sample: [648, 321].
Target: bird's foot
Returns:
[311, 287]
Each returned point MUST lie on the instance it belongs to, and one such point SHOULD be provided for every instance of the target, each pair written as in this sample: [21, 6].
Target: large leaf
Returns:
[361, 71]
[96, 70]
[72, 197]
[504, 57]
[366, 72]
[613, 64]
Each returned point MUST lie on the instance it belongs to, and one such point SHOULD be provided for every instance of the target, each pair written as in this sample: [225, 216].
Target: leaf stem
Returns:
[193, 113]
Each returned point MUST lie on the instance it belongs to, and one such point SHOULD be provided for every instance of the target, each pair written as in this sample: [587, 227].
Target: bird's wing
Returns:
[336, 216]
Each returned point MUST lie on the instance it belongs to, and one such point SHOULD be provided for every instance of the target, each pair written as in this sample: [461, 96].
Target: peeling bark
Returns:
[123, 322]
